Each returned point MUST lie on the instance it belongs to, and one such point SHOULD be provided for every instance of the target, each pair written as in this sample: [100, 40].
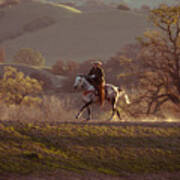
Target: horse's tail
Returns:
[127, 98]
[123, 93]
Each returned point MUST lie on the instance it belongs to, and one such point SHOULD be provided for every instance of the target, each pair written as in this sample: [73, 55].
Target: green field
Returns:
[114, 149]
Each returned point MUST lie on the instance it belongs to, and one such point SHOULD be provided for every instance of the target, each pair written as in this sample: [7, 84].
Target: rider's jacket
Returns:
[97, 78]
[97, 75]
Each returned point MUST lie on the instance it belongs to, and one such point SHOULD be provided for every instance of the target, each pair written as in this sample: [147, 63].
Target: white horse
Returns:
[112, 95]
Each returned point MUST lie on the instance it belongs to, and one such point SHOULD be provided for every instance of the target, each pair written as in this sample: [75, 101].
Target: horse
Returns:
[89, 96]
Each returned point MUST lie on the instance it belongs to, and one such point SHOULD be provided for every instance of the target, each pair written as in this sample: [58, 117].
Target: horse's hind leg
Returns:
[89, 113]
[112, 115]
[113, 109]
[80, 111]
[118, 114]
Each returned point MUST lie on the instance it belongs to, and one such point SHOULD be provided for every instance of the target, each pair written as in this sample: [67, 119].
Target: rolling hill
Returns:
[59, 32]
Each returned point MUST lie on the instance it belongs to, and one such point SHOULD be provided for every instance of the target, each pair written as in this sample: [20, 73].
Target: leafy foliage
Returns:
[15, 88]
[30, 57]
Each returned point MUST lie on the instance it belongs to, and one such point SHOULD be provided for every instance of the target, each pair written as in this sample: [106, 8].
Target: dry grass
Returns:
[52, 109]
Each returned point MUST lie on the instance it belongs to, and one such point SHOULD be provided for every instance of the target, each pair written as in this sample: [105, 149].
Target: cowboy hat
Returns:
[97, 62]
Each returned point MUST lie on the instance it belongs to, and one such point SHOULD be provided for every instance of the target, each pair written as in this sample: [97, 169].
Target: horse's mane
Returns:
[80, 74]
[120, 89]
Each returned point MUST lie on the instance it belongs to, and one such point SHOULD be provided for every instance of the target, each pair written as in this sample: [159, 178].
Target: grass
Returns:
[113, 149]
[69, 8]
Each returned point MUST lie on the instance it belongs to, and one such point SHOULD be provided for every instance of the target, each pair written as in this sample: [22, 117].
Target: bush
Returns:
[6, 3]
[123, 7]
[17, 89]
[30, 57]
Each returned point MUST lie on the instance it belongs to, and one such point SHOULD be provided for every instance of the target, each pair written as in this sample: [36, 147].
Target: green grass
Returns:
[69, 8]
[110, 149]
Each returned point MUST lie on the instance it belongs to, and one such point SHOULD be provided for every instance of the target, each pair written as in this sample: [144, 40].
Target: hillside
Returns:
[60, 33]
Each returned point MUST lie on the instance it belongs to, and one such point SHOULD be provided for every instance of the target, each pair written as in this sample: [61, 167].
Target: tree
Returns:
[59, 67]
[65, 67]
[30, 57]
[72, 66]
[15, 88]
[160, 55]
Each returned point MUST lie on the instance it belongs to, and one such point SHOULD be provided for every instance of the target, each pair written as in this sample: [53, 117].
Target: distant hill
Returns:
[59, 32]
[130, 3]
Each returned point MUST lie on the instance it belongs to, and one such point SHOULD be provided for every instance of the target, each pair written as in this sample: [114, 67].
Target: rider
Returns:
[97, 78]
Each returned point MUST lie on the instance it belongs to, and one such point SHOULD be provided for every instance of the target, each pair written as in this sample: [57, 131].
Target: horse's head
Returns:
[78, 82]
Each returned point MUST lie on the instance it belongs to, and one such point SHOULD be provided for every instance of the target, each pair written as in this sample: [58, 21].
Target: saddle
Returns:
[99, 89]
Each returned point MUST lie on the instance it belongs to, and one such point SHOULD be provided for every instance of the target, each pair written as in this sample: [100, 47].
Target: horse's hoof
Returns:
[110, 119]
[89, 118]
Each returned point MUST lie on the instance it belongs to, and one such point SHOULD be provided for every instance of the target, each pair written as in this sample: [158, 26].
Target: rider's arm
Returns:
[91, 72]
[101, 73]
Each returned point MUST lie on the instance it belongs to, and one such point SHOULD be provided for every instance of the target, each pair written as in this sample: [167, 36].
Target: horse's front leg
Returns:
[82, 109]
[89, 113]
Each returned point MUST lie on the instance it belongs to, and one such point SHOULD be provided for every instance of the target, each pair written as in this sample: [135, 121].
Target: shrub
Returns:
[6, 3]
[123, 7]
[30, 57]
[15, 88]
